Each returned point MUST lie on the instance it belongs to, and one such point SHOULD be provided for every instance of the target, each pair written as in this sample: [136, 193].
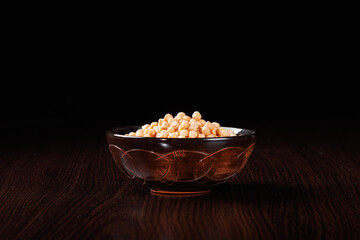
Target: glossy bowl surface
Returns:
[180, 166]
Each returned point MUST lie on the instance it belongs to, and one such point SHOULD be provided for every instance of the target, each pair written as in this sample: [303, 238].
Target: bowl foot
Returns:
[179, 193]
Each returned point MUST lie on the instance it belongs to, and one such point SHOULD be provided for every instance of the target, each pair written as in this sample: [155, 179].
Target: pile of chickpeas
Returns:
[182, 126]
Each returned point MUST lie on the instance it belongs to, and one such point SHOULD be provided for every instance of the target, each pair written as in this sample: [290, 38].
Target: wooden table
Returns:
[298, 184]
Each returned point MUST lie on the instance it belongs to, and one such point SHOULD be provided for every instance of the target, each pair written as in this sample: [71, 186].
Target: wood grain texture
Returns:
[296, 185]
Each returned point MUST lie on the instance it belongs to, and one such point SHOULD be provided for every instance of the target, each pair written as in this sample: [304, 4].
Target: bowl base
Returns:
[177, 193]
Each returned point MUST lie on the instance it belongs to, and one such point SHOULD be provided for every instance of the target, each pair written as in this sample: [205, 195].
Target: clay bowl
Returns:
[180, 166]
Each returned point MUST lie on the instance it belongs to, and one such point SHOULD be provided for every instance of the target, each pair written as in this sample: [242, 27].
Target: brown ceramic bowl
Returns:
[180, 166]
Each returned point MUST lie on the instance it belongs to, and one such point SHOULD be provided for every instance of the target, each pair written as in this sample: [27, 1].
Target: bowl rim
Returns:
[110, 131]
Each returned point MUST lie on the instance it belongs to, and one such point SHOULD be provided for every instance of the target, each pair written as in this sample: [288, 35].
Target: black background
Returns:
[61, 81]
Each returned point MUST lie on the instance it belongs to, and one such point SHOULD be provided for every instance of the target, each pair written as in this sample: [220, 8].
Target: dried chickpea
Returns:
[163, 134]
[184, 125]
[217, 125]
[170, 120]
[184, 133]
[180, 115]
[161, 120]
[218, 130]
[173, 135]
[196, 115]
[202, 122]
[193, 127]
[171, 130]
[140, 133]
[192, 121]
[187, 118]
[168, 116]
[175, 124]
[223, 132]
[210, 125]
[157, 129]
[205, 130]
[193, 134]
[181, 121]
[165, 125]
[150, 132]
